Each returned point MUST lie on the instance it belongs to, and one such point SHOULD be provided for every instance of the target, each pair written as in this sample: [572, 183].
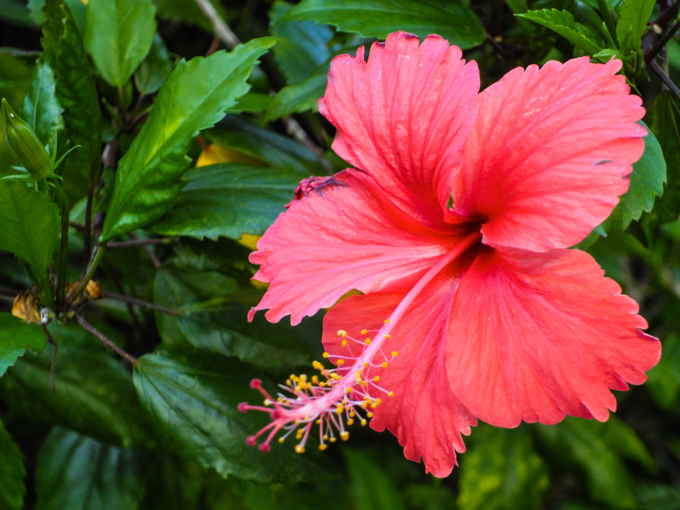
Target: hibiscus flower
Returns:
[455, 224]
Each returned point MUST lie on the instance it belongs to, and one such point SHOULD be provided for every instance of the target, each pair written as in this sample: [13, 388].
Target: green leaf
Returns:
[175, 484]
[16, 13]
[300, 97]
[213, 320]
[195, 96]
[188, 11]
[502, 470]
[30, 230]
[664, 124]
[76, 90]
[77, 7]
[155, 69]
[563, 23]
[228, 199]
[663, 381]
[632, 23]
[278, 151]
[75, 472]
[252, 102]
[15, 81]
[118, 35]
[12, 473]
[41, 109]
[94, 395]
[192, 403]
[595, 449]
[646, 183]
[15, 337]
[302, 46]
[372, 487]
[451, 19]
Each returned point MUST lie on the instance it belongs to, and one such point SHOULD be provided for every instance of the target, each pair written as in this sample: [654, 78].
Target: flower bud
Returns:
[25, 144]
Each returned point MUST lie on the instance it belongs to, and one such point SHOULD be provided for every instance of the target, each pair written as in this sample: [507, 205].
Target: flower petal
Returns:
[403, 117]
[344, 235]
[537, 336]
[550, 154]
[424, 413]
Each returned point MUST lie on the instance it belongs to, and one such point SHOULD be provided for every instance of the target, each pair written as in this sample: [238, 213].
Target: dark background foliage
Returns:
[176, 276]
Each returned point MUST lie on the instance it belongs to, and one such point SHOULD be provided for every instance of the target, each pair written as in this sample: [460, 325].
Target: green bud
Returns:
[25, 144]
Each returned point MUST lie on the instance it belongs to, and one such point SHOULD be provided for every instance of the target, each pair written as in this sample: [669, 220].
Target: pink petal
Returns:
[403, 117]
[424, 413]
[344, 235]
[550, 154]
[537, 336]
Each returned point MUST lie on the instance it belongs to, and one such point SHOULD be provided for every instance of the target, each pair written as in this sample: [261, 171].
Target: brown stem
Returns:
[138, 105]
[102, 338]
[77, 226]
[87, 230]
[139, 302]
[8, 292]
[53, 372]
[201, 142]
[496, 46]
[667, 15]
[661, 42]
[664, 77]
[221, 29]
[213, 46]
[149, 252]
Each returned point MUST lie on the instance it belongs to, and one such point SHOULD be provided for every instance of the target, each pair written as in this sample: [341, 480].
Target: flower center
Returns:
[350, 389]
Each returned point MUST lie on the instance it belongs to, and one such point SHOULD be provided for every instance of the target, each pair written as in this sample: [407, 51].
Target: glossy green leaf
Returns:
[16, 336]
[664, 379]
[596, 449]
[76, 90]
[646, 183]
[214, 320]
[195, 96]
[16, 13]
[665, 124]
[94, 395]
[192, 403]
[155, 69]
[502, 470]
[300, 97]
[175, 484]
[12, 473]
[271, 148]
[372, 488]
[118, 35]
[77, 7]
[302, 46]
[563, 23]
[252, 102]
[188, 11]
[228, 199]
[76, 472]
[30, 230]
[41, 108]
[451, 19]
[632, 23]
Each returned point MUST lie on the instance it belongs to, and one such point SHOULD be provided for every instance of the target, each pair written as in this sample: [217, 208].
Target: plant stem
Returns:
[139, 302]
[91, 268]
[104, 339]
[664, 77]
[156, 262]
[608, 20]
[8, 292]
[661, 42]
[221, 29]
[63, 203]
[139, 242]
[88, 222]
[53, 371]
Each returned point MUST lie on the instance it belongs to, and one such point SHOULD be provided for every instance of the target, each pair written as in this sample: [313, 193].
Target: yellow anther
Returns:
[384, 365]
[342, 333]
[387, 321]
[350, 422]
[374, 405]
[344, 435]
[341, 362]
[280, 399]
[349, 390]
[338, 410]
[325, 355]
[363, 423]
[318, 422]
[364, 405]
[378, 401]
[315, 379]
[309, 386]
[365, 365]
[367, 341]
[322, 447]
[388, 335]
[364, 331]
[281, 440]
[293, 377]
[395, 353]
[322, 384]
[376, 378]
[333, 439]
[299, 448]
[364, 384]
[370, 415]
[344, 343]
[267, 402]
[352, 414]
[289, 382]
[325, 438]
[390, 394]
[303, 378]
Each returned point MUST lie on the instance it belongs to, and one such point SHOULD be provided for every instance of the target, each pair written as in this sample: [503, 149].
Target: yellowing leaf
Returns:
[216, 153]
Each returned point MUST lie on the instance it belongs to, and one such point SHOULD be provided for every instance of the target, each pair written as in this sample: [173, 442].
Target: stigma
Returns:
[332, 400]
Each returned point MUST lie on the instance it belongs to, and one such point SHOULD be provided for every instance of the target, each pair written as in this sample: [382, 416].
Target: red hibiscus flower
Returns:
[455, 225]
